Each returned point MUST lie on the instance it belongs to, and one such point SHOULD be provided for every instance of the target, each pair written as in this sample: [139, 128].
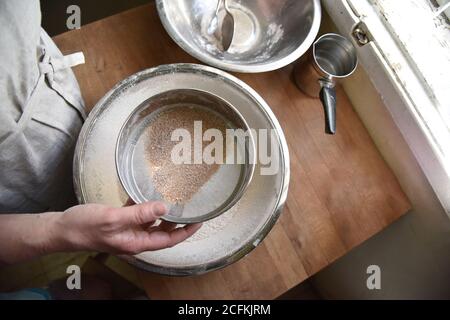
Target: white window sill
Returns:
[403, 92]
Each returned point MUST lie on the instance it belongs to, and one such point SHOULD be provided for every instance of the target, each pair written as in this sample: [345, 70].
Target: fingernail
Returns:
[159, 209]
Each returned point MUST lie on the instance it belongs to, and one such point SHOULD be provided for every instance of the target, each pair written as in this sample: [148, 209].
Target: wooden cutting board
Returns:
[341, 190]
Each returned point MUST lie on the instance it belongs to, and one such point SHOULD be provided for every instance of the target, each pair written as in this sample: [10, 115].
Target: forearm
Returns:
[126, 230]
[26, 236]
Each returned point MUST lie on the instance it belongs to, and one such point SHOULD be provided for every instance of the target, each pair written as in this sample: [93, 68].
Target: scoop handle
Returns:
[328, 98]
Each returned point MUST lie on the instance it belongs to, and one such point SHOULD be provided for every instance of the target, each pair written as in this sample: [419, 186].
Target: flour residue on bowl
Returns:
[214, 226]
[246, 37]
[178, 183]
[275, 34]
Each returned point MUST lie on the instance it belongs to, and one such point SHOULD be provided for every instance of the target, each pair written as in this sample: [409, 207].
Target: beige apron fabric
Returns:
[41, 115]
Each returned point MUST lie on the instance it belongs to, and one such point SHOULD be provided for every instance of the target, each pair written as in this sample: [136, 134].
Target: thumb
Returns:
[144, 213]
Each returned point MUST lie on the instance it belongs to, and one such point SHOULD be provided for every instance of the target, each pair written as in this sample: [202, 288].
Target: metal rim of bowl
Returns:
[284, 163]
[261, 67]
[240, 188]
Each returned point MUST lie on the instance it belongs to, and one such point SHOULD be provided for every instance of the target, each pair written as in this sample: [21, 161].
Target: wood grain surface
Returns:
[341, 191]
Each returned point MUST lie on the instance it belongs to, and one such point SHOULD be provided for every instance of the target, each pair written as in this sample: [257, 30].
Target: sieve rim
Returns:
[241, 186]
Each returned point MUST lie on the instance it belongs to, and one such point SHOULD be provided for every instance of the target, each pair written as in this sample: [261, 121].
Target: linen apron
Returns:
[41, 114]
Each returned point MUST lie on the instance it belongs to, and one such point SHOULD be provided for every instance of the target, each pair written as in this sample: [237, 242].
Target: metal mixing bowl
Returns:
[268, 34]
[221, 241]
[220, 192]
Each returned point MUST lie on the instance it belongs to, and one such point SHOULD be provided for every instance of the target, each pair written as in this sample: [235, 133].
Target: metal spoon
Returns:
[226, 31]
[227, 28]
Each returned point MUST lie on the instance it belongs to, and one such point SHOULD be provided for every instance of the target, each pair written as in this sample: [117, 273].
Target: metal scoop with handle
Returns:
[331, 58]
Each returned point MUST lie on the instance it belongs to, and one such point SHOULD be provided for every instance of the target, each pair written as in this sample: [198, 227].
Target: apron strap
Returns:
[50, 65]
[65, 62]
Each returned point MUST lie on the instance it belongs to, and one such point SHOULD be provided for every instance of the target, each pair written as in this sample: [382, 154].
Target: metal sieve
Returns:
[226, 183]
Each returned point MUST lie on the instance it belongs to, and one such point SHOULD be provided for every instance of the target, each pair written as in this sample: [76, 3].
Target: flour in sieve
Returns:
[178, 183]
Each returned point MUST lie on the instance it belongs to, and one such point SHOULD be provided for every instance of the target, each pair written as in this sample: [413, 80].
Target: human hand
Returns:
[126, 230]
